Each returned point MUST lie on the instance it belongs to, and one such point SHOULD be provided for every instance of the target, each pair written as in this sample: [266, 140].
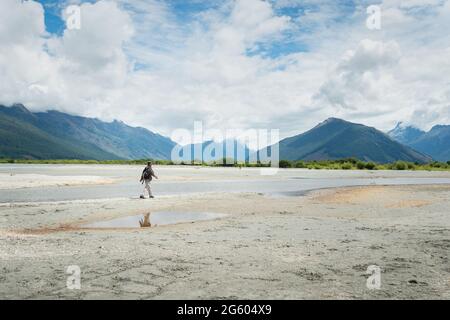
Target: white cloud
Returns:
[361, 78]
[14, 30]
[23, 61]
[139, 62]
[98, 43]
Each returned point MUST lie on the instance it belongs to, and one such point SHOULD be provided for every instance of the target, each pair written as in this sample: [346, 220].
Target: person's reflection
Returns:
[145, 222]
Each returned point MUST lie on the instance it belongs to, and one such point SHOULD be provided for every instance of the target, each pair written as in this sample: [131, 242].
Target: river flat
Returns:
[294, 235]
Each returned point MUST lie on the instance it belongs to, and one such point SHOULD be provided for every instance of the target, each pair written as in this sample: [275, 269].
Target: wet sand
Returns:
[316, 246]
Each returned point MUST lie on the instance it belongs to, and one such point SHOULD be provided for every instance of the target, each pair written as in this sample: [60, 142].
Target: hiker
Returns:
[146, 177]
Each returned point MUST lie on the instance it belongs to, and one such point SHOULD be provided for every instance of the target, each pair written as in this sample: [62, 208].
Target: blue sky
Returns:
[53, 21]
[186, 12]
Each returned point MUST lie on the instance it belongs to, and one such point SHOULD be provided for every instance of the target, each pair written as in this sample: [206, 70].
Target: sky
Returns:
[233, 64]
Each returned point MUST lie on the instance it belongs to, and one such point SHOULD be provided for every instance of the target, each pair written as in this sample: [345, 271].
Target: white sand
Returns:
[17, 181]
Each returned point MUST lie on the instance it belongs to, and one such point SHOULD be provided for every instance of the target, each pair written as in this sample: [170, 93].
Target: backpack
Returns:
[147, 174]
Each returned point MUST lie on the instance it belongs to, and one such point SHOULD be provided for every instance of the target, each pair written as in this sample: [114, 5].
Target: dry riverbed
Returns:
[317, 246]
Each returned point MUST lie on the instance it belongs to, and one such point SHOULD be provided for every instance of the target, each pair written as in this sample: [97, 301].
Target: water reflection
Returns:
[153, 219]
[145, 221]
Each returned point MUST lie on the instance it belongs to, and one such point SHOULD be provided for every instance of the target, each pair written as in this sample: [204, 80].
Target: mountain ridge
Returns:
[72, 136]
[404, 133]
[57, 135]
[336, 138]
[435, 142]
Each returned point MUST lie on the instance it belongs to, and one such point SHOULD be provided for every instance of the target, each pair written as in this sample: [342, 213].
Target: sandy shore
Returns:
[18, 181]
[317, 246]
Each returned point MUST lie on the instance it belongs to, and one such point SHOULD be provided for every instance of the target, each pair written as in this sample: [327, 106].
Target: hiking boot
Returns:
[151, 196]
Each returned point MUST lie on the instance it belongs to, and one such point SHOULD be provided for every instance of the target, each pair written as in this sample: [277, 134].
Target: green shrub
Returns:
[285, 164]
[370, 166]
[435, 165]
[411, 166]
[400, 165]
[300, 164]
[360, 165]
[346, 166]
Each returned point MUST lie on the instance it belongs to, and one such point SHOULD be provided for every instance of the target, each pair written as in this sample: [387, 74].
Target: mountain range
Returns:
[435, 143]
[336, 139]
[57, 135]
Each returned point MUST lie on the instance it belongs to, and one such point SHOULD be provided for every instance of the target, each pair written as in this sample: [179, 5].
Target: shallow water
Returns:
[156, 218]
[290, 182]
[288, 187]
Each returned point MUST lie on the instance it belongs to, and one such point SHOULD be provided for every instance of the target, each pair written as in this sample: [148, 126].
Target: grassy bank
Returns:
[77, 161]
[343, 164]
[355, 164]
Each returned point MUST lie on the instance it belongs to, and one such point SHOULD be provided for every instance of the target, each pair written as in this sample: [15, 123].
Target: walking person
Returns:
[146, 177]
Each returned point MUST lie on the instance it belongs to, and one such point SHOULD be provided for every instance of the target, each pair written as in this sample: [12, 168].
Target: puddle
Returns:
[154, 219]
[287, 194]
